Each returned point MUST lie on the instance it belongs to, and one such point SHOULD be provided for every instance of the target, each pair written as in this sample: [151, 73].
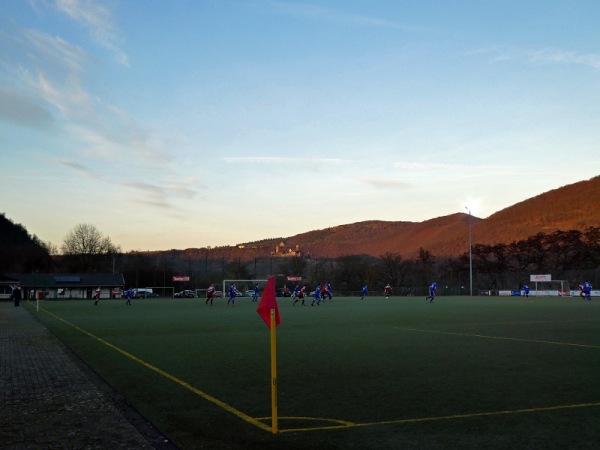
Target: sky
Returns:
[201, 123]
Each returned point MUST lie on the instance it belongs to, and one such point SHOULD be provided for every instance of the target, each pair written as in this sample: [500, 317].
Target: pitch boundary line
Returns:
[504, 338]
[167, 375]
[341, 424]
[347, 424]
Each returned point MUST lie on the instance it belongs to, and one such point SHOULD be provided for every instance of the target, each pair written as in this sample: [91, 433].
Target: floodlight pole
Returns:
[470, 256]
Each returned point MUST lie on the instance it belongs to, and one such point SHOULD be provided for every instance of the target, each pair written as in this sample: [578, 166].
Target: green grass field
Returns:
[481, 372]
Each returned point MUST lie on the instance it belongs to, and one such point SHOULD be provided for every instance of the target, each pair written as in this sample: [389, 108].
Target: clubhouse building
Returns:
[62, 286]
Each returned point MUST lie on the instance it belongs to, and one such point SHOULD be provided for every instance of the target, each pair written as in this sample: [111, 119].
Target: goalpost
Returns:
[552, 288]
[245, 283]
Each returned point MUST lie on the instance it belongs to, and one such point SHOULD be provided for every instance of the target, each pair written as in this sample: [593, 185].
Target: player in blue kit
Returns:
[231, 300]
[432, 289]
[317, 296]
[526, 290]
[363, 292]
[587, 290]
[295, 295]
[128, 295]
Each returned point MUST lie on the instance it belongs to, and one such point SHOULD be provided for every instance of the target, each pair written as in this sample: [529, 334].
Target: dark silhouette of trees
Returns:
[571, 255]
[425, 265]
[20, 251]
[238, 270]
[297, 266]
[85, 249]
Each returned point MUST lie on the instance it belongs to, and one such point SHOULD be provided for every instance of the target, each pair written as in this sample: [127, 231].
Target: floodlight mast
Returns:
[470, 256]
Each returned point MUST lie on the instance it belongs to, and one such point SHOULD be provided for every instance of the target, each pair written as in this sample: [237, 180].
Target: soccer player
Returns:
[323, 291]
[587, 290]
[295, 294]
[301, 295]
[581, 291]
[128, 295]
[317, 296]
[363, 292]
[388, 291]
[210, 292]
[526, 289]
[231, 300]
[432, 289]
[329, 291]
[255, 295]
[97, 296]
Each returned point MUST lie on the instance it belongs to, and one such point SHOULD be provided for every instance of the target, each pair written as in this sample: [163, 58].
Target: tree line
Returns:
[571, 255]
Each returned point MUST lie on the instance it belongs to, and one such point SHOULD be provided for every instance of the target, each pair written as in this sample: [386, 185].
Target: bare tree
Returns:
[51, 248]
[86, 248]
[393, 269]
[426, 265]
[297, 266]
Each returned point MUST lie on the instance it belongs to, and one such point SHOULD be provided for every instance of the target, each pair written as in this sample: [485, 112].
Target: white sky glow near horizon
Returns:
[215, 123]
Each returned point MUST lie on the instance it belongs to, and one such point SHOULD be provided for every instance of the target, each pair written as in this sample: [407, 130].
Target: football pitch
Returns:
[461, 372]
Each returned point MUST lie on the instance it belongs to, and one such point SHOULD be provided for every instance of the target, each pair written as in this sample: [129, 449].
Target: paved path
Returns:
[49, 401]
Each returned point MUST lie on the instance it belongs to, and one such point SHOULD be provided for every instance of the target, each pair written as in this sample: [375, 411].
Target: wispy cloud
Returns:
[78, 167]
[387, 183]
[24, 110]
[277, 160]
[53, 72]
[541, 56]
[161, 193]
[98, 18]
[450, 167]
[324, 14]
[52, 52]
[557, 56]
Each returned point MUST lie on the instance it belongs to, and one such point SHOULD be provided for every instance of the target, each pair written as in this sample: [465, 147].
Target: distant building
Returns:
[282, 250]
[67, 286]
[7, 285]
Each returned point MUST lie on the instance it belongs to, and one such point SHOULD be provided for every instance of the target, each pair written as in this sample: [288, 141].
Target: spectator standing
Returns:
[16, 295]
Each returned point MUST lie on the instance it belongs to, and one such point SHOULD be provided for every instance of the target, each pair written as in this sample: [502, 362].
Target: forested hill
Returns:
[19, 251]
[571, 207]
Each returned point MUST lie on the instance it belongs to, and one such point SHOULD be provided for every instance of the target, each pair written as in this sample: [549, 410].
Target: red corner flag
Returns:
[269, 302]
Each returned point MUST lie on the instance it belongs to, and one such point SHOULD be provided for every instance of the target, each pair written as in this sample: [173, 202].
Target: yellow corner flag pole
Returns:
[273, 373]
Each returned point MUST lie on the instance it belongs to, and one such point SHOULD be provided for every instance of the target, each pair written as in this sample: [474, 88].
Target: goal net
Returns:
[242, 286]
[552, 288]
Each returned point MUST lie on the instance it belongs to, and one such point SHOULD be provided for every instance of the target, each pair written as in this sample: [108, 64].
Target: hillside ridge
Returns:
[570, 207]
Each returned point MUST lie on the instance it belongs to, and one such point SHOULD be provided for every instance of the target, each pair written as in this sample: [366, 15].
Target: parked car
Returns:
[185, 294]
[250, 293]
[218, 294]
[280, 293]
[143, 294]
